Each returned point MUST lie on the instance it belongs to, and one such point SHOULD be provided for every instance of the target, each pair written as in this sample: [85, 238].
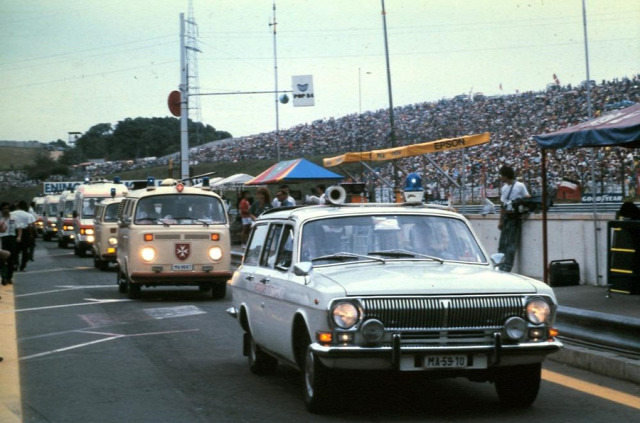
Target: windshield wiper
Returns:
[204, 222]
[346, 256]
[405, 253]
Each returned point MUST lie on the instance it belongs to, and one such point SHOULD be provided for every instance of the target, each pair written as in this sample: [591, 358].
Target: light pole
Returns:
[392, 126]
[274, 24]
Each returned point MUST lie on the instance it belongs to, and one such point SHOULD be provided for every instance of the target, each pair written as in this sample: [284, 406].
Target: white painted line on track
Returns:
[110, 338]
[92, 301]
[170, 312]
[66, 288]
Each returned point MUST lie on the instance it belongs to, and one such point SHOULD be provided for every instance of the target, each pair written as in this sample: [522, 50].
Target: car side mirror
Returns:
[303, 268]
[74, 214]
[497, 259]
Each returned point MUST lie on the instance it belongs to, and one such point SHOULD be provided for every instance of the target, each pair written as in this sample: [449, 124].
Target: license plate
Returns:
[444, 361]
[182, 266]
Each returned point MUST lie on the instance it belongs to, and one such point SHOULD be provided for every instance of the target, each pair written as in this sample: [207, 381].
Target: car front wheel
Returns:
[316, 384]
[517, 386]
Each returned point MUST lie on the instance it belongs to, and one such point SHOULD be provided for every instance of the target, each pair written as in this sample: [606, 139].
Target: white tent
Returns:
[231, 182]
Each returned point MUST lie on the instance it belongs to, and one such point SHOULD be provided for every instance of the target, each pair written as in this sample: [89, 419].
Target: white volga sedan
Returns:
[395, 287]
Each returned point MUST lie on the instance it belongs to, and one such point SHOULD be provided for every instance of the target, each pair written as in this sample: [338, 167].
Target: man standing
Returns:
[510, 219]
[25, 222]
[9, 240]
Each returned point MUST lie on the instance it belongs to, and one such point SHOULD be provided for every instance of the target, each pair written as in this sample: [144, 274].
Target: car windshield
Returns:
[183, 209]
[390, 237]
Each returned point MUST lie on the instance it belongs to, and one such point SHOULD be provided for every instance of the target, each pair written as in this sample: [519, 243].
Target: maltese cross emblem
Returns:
[182, 251]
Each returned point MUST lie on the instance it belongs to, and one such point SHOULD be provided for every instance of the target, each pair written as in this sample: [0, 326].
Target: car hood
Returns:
[428, 278]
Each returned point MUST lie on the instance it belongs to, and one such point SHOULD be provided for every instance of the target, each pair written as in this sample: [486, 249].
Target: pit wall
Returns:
[569, 236]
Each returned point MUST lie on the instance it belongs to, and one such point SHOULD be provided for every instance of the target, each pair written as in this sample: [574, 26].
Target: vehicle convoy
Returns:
[65, 219]
[401, 287]
[173, 235]
[49, 217]
[87, 196]
[106, 233]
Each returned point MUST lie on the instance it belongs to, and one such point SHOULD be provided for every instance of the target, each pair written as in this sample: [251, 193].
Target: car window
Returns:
[271, 246]
[111, 213]
[256, 242]
[442, 237]
[285, 251]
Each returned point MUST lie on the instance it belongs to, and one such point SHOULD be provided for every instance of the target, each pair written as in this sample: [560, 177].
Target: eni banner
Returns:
[438, 146]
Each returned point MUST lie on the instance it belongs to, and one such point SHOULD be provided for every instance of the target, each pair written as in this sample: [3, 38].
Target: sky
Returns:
[67, 65]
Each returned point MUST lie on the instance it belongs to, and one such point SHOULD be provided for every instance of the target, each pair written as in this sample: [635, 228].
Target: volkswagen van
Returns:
[106, 233]
[87, 197]
[173, 235]
[65, 219]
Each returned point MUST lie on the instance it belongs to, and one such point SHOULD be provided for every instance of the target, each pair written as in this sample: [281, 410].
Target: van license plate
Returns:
[182, 266]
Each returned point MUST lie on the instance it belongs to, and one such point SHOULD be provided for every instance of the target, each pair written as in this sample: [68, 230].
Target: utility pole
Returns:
[274, 24]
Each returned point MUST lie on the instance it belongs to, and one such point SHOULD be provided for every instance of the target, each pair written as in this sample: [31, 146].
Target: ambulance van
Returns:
[106, 233]
[65, 219]
[87, 197]
[173, 235]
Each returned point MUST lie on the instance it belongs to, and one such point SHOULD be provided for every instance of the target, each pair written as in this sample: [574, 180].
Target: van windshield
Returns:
[183, 209]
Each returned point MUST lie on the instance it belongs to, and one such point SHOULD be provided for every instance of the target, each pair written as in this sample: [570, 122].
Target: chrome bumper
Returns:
[392, 353]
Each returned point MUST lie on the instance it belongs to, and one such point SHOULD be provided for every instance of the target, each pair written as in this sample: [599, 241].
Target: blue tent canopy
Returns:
[617, 128]
[290, 171]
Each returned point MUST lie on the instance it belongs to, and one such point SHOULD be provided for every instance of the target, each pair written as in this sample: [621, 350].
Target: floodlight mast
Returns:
[184, 106]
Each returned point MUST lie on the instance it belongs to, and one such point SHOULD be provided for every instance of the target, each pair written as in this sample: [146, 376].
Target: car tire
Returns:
[316, 384]
[219, 290]
[518, 386]
[132, 288]
[122, 282]
[260, 363]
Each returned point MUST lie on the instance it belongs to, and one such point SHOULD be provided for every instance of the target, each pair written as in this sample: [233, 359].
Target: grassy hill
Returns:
[17, 158]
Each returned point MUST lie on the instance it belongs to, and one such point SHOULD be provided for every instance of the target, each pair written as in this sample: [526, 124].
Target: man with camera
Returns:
[510, 216]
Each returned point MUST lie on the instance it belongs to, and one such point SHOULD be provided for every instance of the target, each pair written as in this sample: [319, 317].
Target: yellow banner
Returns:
[438, 146]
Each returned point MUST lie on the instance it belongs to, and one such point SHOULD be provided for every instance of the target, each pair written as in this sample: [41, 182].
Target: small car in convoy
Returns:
[173, 235]
[403, 287]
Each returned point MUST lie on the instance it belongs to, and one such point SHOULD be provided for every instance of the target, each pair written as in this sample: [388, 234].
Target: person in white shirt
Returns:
[25, 223]
[8, 237]
[290, 201]
[510, 219]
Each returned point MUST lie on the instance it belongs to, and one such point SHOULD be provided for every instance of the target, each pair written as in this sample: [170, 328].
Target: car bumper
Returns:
[170, 278]
[413, 357]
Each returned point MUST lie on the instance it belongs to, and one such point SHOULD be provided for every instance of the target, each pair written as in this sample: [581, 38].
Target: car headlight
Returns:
[89, 231]
[345, 315]
[148, 254]
[215, 253]
[538, 311]
[113, 241]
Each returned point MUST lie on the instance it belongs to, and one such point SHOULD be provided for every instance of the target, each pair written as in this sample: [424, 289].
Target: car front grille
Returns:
[415, 314]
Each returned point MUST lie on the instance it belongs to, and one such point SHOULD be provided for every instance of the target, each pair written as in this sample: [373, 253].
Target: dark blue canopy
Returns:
[617, 128]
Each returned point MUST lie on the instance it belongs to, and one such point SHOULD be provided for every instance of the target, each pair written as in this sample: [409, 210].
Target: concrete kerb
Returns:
[10, 400]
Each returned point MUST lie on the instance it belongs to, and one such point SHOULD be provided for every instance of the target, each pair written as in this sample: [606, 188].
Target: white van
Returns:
[87, 196]
[173, 235]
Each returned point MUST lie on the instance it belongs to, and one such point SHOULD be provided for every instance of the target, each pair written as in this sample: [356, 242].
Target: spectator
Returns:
[510, 223]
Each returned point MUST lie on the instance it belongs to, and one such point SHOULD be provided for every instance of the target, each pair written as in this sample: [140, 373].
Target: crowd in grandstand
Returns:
[512, 120]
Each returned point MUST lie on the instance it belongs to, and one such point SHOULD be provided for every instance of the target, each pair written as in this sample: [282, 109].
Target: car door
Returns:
[246, 286]
[280, 289]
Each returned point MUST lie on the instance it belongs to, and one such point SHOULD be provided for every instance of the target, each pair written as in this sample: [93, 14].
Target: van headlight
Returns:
[215, 253]
[113, 241]
[148, 254]
[345, 315]
[538, 311]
